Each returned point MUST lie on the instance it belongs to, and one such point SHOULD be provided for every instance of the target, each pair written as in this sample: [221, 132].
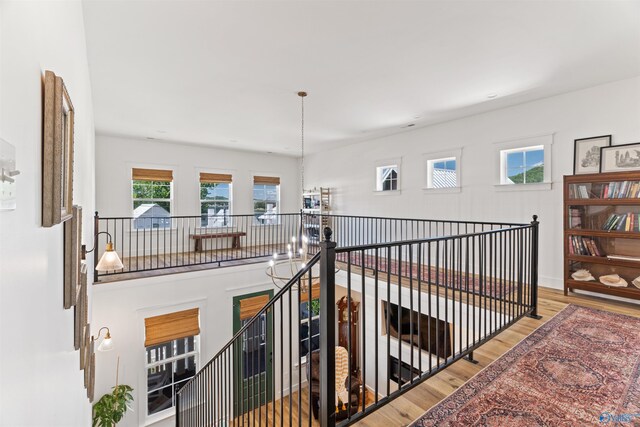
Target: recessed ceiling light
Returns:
[492, 95]
[409, 125]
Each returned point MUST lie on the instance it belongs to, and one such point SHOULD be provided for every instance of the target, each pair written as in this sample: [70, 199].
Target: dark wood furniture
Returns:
[235, 235]
[345, 329]
[592, 241]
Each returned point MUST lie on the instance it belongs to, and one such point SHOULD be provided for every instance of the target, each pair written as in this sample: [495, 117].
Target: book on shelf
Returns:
[620, 190]
[622, 222]
[624, 257]
[579, 245]
[575, 218]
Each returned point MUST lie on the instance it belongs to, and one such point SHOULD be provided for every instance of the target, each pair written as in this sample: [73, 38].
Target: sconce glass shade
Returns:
[110, 260]
[107, 342]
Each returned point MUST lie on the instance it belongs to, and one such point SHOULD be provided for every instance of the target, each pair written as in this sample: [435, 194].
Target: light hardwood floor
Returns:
[410, 406]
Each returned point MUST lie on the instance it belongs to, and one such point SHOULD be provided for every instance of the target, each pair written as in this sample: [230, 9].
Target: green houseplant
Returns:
[111, 407]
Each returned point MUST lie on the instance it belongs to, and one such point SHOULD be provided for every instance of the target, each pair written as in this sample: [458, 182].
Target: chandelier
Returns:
[282, 270]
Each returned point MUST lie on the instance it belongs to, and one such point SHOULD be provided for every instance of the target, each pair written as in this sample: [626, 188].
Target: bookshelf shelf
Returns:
[601, 217]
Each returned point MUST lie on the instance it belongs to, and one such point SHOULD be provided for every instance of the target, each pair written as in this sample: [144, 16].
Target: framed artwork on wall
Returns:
[80, 312]
[620, 158]
[57, 152]
[72, 257]
[586, 154]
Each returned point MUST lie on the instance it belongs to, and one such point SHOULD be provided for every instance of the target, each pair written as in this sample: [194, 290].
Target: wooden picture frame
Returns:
[57, 152]
[620, 158]
[586, 153]
[72, 257]
[80, 311]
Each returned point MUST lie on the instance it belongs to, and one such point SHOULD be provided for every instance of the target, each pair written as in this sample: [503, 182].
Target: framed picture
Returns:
[619, 158]
[72, 257]
[586, 154]
[57, 152]
[80, 311]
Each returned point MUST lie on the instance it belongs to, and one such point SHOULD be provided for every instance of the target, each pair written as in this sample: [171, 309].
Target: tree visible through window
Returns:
[524, 165]
[309, 330]
[151, 203]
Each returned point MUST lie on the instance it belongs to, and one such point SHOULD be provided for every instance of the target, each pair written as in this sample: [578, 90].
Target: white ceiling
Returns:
[226, 73]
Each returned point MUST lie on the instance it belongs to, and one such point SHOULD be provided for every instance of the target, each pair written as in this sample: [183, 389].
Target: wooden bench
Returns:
[235, 235]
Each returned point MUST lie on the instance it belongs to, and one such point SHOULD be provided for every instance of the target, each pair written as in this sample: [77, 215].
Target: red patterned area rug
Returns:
[457, 280]
[581, 368]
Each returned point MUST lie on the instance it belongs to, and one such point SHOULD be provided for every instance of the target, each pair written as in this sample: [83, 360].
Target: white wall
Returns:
[123, 306]
[349, 171]
[116, 156]
[40, 380]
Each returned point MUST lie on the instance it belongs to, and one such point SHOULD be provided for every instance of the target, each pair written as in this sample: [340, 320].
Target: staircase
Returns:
[423, 302]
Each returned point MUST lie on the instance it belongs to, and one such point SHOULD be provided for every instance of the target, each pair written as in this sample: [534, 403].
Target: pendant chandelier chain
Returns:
[302, 95]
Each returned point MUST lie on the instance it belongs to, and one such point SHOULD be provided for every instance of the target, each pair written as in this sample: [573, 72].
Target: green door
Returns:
[253, 371]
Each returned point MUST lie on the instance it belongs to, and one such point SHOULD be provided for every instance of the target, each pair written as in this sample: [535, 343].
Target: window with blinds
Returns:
[215, 199]
[266, 199]
[172, 352]
[152, 193]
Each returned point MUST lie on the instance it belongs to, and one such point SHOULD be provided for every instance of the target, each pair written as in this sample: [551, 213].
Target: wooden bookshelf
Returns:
[601, 218]
[316, 206]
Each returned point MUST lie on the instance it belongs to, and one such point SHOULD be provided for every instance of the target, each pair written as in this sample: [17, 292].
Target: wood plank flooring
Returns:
[410, 406]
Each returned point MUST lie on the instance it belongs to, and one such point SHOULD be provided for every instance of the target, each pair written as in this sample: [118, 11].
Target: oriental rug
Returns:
[581, 368]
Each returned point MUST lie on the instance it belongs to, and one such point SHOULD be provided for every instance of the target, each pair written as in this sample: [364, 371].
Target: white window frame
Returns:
[383, 164]
[169, 411]
[140, 394]
[278, 204]
[201, 201]
[544, 141]
[430, 158]
[170, 200]
[303, 357]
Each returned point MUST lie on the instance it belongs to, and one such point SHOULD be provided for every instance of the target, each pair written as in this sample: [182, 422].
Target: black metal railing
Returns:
[412, 306]
[148, 243]
[169, 242]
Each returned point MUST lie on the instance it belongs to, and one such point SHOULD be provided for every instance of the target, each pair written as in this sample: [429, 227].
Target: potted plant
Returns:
[111, 407]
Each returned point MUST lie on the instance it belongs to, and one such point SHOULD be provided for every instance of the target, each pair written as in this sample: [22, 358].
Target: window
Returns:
[152, 195]
[169, 366]
[309, 321]
[442, 173]
[215, 199]
[266, 199]
[171, 359]
[387, 178]
[309, 329]
[523, 165]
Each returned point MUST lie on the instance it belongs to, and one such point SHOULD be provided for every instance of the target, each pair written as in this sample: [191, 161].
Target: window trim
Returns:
[385, 163]
[429, 158]
[303, 357]
[165, 413]
[171, 204]
[140, 394]
[230, 206]
[502, 148]
[251, 200]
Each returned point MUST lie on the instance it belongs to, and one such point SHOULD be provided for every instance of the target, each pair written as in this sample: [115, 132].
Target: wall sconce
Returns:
[107, 342]
[110, 260]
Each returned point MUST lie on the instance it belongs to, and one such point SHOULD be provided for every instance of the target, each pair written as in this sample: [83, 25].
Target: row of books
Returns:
[622, 222]
[611, 190]
[620, 190]
[579, 245]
